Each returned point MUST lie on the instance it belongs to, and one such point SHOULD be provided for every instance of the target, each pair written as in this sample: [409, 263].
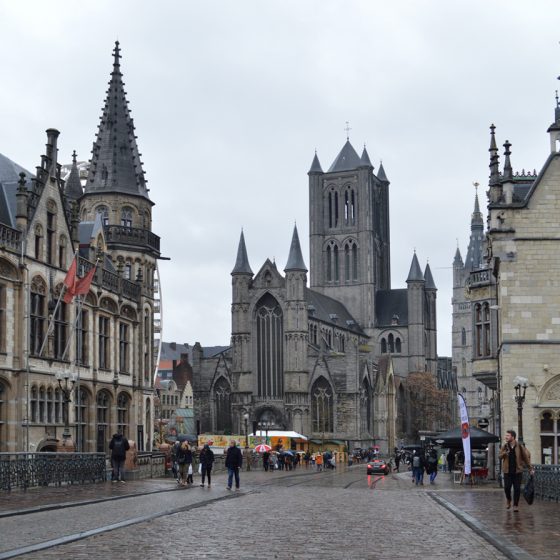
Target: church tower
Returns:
[349, 232]
[116, 192]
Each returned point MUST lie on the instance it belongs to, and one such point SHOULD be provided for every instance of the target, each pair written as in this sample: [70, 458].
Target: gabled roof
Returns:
[346, 160]
[295, 258]
[329, 310]
[389, 305]
[115, 163]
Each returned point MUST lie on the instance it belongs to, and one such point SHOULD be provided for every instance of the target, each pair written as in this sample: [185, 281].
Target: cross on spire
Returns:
[347, 130]
[476, 185]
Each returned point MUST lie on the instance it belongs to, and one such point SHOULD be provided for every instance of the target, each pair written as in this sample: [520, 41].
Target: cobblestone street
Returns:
[282, 515]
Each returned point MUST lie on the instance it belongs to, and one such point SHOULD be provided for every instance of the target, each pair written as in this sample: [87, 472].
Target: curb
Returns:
[510, 550]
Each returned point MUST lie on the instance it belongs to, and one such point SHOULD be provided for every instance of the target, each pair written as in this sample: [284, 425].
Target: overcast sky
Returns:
[231, 98]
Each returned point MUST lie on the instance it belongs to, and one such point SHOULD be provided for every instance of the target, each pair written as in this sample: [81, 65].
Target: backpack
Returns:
[416, 461]
[118, 448]
[432, 460]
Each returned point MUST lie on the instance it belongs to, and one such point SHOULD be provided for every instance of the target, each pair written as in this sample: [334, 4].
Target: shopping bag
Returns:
[529, 490]
[200, 468]
[190, 469]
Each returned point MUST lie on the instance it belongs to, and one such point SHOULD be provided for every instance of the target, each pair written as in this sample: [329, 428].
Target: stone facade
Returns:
[104, 339]
[522, 250]
[329, 361]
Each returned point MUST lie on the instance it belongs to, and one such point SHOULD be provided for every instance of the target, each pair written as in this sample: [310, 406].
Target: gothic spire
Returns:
[474, 252]
[458, 260]
[381, 173]
[508, 171]
[115, 163]
[430, 284]
[242, 262]
[494, 158]
[315, 166]
[476, 219]
[295, 258]
[364, 160]
[415, 273]
[73, 187]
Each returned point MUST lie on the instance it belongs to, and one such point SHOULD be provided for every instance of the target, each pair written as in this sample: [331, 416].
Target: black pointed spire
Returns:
[115, 163]
[295, 258]
[508, 171]
[73, 187]
[364, 160]
[242, 262]
[415, 273]
[346, 160]
[430, 284]
[315, 166]
[381, 173]
[494, 158]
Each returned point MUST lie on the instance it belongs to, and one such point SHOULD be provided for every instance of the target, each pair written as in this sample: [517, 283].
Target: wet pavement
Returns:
[299, 514]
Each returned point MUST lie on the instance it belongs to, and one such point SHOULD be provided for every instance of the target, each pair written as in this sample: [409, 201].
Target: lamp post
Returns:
[246, 420]
[520, 386]
[66, 393]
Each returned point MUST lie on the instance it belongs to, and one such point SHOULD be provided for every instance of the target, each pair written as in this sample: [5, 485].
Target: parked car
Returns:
[378, 466]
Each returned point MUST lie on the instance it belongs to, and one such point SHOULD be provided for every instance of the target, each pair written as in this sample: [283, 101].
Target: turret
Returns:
[554, 128]
[507, 182]
[473, 260]
[430, 319]
[415, 296]
[21, 203]
[495, 191]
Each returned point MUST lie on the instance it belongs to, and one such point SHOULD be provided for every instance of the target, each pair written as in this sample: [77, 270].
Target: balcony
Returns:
[10, 238]
[110, 281]
[136, 237]
[479, 278]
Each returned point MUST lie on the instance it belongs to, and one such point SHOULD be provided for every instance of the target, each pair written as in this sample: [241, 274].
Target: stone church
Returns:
[73, 385]
[329, 360]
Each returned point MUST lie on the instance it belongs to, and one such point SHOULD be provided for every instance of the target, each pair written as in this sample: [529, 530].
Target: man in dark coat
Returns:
[206, 462]
[119, 446]
[234, 461]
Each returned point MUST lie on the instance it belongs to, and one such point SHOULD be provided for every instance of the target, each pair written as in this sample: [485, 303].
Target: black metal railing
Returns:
[547, 482]
[25, 470]
[132, 236]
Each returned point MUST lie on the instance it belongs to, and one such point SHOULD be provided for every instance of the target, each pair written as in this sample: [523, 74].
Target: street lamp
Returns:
[246, 420]
[520, 386]
[66, 393]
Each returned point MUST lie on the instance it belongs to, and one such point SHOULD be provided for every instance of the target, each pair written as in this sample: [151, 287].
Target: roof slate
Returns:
[242, 265]
[389, 303]
[295, 258]
[346, 160]
[325, 308]
[415, 273]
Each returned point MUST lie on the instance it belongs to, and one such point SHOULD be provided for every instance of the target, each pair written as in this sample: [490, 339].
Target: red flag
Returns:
[70, 281]
[83, 284]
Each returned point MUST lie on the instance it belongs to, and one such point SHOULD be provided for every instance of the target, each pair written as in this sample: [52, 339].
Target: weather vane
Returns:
[347, 129]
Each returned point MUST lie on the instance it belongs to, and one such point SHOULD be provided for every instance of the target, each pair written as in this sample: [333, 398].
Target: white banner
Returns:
[465, 433]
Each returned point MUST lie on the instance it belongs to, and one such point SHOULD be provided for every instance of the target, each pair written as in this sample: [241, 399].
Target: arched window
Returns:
[353, 209]
[81, 417]
[330, 209]
[329, 264]
[34, 404]
[482, 330]
[222, 404]
[103, 211]
[58, 406]
[335, 195]
[347, 270]
[270, 345]
[463, 367]
[383, 346]
[38, 242]
[62, 251]
[354, 261]
[398, 348]
[42, 405]
[123, 403]
[335, 264]
[391, 341]
[51, 231]
[82, 336]
[365, 407]
[322, 406]
[103, 420]
[38, 315]
[126, 217]
[550, 438]
[60, 332]
[50, 403]
[463, 337]
[148, 425]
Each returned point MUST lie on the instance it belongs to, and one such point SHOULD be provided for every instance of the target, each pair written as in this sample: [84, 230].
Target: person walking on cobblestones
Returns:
[432, 466]
[514, 457]
[234, 462]
[185, 459]
[206, 462]
[248, 456]
[119, 446]
[266, 460]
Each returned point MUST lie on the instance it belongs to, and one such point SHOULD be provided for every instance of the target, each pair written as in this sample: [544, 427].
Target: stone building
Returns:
[329, 360]
[476, 394]
[515, 299]
[108, 347]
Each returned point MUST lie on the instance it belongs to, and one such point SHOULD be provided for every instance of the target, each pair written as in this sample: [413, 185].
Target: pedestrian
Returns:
[184, 459]
[514, 457]
[451, 460]
[174, 464]
[206, 462]
[432, 466]
[247, 456]
[306, 459]
[441, 463]
[418, 468]
[119, 446]
[397, 459]
[319, 461]
[266, 460]
[234, 462]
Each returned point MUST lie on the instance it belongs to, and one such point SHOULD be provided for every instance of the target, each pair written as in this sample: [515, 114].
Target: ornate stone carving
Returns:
[553, 394]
